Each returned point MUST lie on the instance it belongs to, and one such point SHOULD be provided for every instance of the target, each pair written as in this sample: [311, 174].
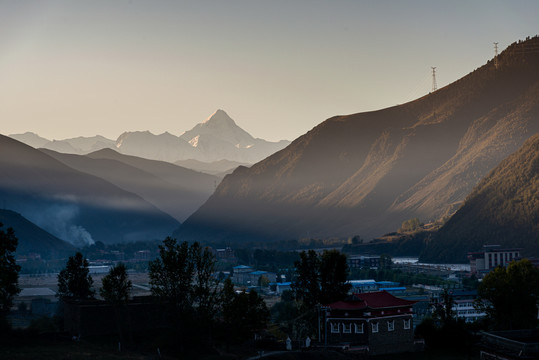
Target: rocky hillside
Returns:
[364, 174]
[502, 209]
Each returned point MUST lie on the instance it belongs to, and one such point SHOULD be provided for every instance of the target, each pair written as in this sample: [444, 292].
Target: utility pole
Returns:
[434, 86]
[495, 55]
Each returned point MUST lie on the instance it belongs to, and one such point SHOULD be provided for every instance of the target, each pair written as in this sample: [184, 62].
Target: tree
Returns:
[307, 284]
[411, 225]
[75, 281]
[116, 286]
[511, 295]
[9, 273]
[333, 277]
[443, 310]
[171, 274]
[321, 279]
[115, 289]
[206, 286]
[182, 278]
[243, 313]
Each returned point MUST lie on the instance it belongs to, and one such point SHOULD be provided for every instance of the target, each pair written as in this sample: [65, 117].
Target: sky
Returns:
[277, 67]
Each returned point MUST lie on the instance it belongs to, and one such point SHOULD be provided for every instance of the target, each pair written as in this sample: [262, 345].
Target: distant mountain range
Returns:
[502, 209]
[218, 168]
[364, 174]
[72, 205]
[218, 138]
[172, 189]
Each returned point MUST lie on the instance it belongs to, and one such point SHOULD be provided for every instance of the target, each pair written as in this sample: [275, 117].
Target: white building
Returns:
[482, 262]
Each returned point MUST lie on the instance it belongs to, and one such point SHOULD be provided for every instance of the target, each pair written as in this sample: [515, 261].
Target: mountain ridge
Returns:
[363, 174]
[217, 138]
[172, 189]
[503, 209]
[33, 239]
[72, 205]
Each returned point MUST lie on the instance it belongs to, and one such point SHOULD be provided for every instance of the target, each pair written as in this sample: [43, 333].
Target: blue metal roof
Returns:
[242, 267]
[393, 289]
[259, 272]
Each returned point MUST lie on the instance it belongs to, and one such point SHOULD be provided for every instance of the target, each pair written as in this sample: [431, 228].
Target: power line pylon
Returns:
[434, 86]
[495, 55]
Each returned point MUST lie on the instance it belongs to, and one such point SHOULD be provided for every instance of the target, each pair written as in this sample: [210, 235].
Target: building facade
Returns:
[246, 276]
[378, 322]
[363, 262]
[482, 262]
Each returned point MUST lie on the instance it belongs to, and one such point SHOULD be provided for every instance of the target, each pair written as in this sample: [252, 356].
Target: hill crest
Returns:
[363, 174]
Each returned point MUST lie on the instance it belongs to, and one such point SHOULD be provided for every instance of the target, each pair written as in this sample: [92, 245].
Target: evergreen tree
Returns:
[307, 283]
[172, 273]
[333, 277]
[115, 289]
[116, 286]
[75, 281]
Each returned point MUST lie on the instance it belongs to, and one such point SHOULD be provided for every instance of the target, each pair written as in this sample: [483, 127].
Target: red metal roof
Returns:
[373, 300]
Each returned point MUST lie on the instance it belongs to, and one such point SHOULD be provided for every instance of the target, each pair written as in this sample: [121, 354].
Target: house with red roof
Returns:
[377, 322]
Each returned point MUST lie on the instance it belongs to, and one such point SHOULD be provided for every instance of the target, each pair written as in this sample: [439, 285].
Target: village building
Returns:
[281, 287]
[464, 305]
[363, 262]
[142, 255]
[224, 254]
[246, 276]
[376, 322]
[370, 285]
[240, 274]
[482, 262]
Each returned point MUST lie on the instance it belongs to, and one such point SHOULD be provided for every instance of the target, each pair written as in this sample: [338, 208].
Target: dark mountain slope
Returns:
[172, 189]
[33, 239]
[503, 209]
[366, 173]
[71, 205]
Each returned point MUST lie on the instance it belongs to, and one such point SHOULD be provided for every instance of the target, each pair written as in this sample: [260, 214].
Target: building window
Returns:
[406, 324]
[391, 325]
[347, 328]
[374, 327]
[358, 328]
[334, 328]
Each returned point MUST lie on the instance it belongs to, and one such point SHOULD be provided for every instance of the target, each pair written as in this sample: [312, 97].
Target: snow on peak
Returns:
[194, 141]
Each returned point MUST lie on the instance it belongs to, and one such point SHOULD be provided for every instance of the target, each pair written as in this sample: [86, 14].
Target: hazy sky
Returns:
[80, 68]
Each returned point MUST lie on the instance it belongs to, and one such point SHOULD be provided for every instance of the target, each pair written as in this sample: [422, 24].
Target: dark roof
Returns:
[373, 300]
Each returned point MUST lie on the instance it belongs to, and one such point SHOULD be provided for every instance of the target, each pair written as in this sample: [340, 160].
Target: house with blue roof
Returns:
[247, 276]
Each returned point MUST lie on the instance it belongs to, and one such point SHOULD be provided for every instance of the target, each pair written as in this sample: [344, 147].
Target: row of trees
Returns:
[195, 304]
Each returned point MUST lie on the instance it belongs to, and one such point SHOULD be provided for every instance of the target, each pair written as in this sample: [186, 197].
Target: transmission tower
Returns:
[434, 86]
[496, 55]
